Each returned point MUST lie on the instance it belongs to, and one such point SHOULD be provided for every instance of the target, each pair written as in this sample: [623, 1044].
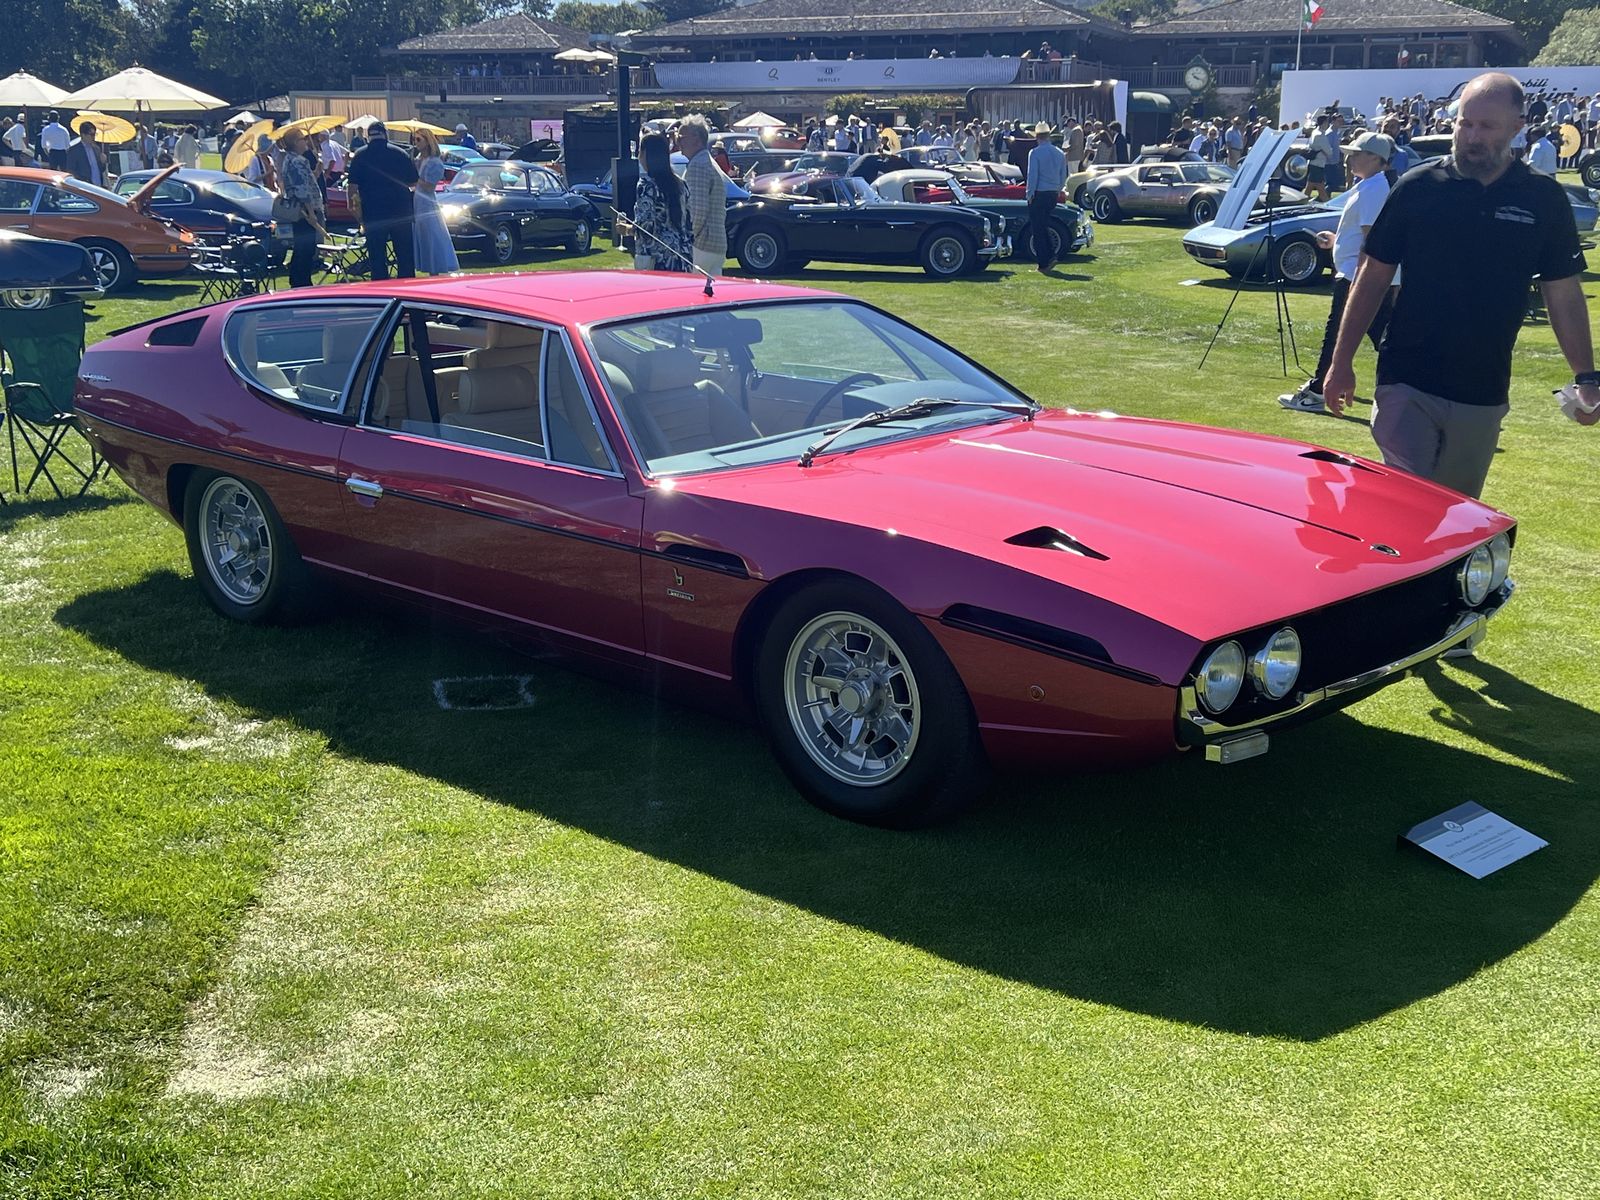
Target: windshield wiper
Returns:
[915, 408]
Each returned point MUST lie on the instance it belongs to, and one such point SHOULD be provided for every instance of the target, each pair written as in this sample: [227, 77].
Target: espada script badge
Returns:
[676, 590]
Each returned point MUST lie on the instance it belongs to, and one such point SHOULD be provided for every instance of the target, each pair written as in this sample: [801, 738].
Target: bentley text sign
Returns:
[1474, 839]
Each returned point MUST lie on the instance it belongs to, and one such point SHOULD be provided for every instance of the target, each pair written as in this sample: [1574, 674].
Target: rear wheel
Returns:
[760, 250]
[866, 714]
[1589, 169]
[26, 298]
[947, 253]
[113, 267]
[503, 244]
[1202, 209]
[243, 557]
[582, 237]
[1106, 208]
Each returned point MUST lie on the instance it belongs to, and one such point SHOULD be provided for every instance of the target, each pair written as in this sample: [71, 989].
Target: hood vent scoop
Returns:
[1048, 537]
[1333, 456]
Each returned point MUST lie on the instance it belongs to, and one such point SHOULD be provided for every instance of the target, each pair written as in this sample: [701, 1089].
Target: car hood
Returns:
[1208, 531]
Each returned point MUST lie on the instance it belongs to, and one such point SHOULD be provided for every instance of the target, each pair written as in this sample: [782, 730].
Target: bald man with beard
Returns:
[1471, 232]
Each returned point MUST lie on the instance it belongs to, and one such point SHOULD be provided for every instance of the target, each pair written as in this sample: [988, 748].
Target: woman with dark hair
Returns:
[663, 239]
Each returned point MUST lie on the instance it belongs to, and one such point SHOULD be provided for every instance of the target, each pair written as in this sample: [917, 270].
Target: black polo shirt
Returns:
[383, 174]
[1467, 254]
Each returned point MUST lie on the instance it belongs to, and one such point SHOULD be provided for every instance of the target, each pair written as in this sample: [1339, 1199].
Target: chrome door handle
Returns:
[370, 488]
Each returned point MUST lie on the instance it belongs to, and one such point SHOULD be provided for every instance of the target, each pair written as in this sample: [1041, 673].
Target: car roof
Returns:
[569, 297]
[184, 174]
[33, 174]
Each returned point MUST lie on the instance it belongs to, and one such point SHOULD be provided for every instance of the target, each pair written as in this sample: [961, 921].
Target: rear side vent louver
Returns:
[1333, 456]
[1048, 537]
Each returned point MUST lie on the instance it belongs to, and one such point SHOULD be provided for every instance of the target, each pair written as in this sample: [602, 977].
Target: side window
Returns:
[539, 183]
[303, 353]
[173, 192]
[59, 200]
[462, 379]
[574, 436]
[16, 195]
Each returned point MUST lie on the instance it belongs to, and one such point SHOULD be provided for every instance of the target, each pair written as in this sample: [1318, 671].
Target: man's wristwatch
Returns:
[1587, 379]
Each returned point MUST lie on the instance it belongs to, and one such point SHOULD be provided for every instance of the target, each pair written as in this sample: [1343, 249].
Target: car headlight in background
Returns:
[1474, 576]
[1276, 666]
[1221, 676]
[453, 213]
[1500, 553]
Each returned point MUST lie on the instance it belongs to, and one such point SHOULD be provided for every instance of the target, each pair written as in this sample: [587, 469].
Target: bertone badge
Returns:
[1382, 549]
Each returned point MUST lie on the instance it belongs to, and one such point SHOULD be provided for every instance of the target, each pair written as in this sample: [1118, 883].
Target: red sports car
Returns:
[796, 504]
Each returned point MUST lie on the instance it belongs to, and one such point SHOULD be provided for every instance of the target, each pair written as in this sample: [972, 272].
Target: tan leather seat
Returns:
[499, 400]
[401, 396]
[341, 346]
[676, 411]
[506, 345]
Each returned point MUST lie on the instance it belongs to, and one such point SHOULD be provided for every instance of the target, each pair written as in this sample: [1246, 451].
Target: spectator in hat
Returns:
[382, 178]
[261, 168]
[1047, 175]
[465, 138]
[299, 189]
[1368, 158]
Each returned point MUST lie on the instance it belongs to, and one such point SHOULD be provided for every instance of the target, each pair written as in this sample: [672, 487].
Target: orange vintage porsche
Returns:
[123, 239]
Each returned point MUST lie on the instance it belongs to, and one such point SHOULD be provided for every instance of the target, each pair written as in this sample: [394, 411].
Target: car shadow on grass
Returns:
[844, 273]
[43, 503]
[1265, 899]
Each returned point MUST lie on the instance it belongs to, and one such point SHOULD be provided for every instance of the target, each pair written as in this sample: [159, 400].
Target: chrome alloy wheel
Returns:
[236, 540]
[852, 699]
[30, 298]
[106, 266]
[1298, 261]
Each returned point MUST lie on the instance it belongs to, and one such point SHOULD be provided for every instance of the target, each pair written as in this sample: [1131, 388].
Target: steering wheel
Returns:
[837, 390]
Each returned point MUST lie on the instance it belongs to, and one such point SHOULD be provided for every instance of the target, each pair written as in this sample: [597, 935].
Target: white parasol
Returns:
[142, 90]
[758, 120]
[362, 123]
[29, 91]
[242, 118]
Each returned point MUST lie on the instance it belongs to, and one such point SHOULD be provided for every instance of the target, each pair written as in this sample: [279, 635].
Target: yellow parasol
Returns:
[310, 125]
[113, 131]
[1571, 140]
[244, 147]
[414, 127]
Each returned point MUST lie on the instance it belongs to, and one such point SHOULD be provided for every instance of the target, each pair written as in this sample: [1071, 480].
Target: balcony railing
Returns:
[1077, 70]
[578, 84]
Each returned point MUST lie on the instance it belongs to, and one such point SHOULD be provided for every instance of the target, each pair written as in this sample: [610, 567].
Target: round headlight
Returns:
[1221, 676]
[1474, 576]
[1500, 552]
[1276, 665]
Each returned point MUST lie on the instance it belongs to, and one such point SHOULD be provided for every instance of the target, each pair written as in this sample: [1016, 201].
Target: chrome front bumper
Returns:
[1197, 728]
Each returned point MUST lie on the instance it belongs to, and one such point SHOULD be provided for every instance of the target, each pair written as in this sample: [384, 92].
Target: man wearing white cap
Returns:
[1367, 157]
[465, 138]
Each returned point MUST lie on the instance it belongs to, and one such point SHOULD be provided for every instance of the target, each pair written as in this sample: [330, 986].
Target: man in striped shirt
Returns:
[708, 195]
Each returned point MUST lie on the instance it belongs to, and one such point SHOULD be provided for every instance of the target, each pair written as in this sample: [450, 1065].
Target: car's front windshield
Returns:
[855, 190]
[720, 388]
[1197, 172]
[489, 177]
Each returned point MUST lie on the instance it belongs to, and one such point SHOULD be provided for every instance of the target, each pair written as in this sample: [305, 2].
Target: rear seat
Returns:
[401, 396]
[500, 400]
[507, 346]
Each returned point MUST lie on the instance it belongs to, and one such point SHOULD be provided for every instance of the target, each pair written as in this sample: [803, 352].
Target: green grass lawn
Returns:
[272, 924]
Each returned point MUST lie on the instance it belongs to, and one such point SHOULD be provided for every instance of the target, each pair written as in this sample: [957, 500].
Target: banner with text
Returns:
[850, 75]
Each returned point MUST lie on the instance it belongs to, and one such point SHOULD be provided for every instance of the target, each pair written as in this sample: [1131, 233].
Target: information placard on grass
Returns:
[1473, 839]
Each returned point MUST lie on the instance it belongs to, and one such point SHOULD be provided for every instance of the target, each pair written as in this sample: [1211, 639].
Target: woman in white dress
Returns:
[435, 254]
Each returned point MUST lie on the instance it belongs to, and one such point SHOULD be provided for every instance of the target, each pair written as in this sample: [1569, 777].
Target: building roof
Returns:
[516, 33]
[1338, 16]
[812, 18]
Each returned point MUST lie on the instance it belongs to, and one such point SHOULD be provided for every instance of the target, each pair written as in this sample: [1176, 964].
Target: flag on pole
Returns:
[1313, 14]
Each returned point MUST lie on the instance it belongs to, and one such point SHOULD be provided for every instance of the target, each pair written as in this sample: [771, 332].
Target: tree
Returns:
[1573, 43]
[604, 18]
[1534, 19]
[680, 10]
[71, 43]
[1128, 12]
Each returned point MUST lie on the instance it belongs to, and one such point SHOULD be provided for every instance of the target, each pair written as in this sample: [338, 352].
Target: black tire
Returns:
[1060, 241]
[943, 770]
[280, 578]
[946, 253]
[1296, 261]
[1589, 169]
[504, 244]
[1081, 196]
[761, 250]
[113, 266]
[1105, 207]
[582, 237]
[1202, 209]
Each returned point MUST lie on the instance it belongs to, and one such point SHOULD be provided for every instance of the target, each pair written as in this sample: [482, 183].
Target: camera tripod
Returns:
[1280, 295]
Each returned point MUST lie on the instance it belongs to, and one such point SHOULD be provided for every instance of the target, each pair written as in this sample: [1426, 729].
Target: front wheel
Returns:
[243, 558]
[503, 244]
[1106, 208]
[582, 236]
[1589, 169]
[947, 254]
[29, 298]
[760, 251]
[866, 715]
[1296, 261]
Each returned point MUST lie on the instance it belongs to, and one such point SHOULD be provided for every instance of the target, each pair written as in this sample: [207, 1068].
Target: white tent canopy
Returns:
[241, 119]
[361, 123]
[138, 88]
[23, 90]
[758, 120]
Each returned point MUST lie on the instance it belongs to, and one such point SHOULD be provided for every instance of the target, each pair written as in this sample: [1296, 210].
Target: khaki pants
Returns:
[1442, 440]
[709, 261]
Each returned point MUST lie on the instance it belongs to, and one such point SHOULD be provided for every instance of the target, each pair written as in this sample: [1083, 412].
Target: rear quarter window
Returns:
[304, 354]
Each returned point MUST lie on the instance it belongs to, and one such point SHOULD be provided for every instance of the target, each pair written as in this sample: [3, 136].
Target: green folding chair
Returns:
[40, 350]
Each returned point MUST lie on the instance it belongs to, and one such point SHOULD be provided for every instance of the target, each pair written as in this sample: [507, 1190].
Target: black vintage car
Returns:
[213, 205]
[843, 220]
[36, 272]
[497, 208]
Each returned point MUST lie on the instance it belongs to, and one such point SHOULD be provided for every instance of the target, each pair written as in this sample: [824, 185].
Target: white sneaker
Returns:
[1305, 400]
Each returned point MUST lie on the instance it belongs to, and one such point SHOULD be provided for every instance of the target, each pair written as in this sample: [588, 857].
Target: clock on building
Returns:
[1197, 76]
